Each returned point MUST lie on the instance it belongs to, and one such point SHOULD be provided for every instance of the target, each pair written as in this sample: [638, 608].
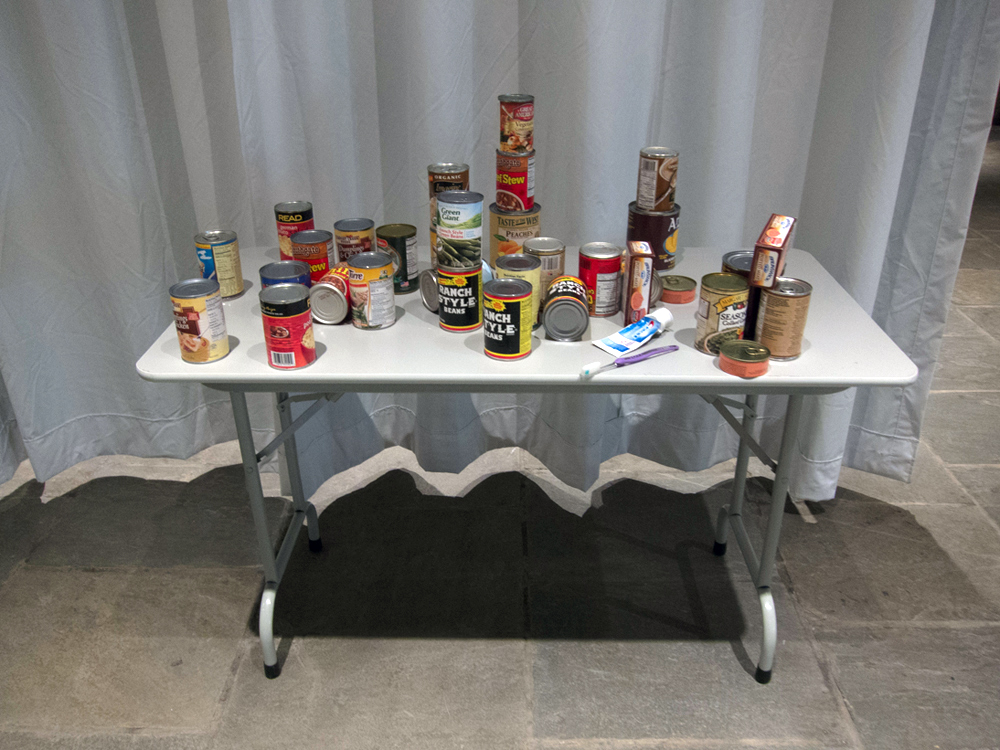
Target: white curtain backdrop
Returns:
[128, 126]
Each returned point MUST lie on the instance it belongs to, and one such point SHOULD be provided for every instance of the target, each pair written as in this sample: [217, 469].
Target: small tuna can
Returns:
[721, 311]
[459, 229]
[200, 321]
[315, 247]
[745, 359]
[400, 242]
[781, 320]
[565, 313]
[552, 253]
[460, 298]
[288, 331]
[515, 181]
[507, 318]
[517, 123]
[330, 297]
[600, 270]
[740, 262]
[429, 289]
[657, 179]
[219, 256]
[292, 217]
[528, 268]
[285, 272]
[353, 236]
[509, 230]
[678, 290]
[659, 229]
[373, 303]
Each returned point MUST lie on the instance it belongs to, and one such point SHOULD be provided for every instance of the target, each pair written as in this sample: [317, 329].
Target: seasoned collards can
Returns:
[740, 262]
[600, 269]
[507, 318]
[515, 181]
[659, 229]
[509, 230]
[657, 179]
[552, 253]
[285, 272]
[353, 236]
[781, 320]
[429, 289]
[330, 297]
[527, 268]
[746, 359]
[400, 242]
[678, 290]
[442, 177]
[200, 322]
[373, 303]
[637, 281]
[292, 217]
[565, 313]
[459, 229]
[721, 311]
[517, 123]
[460, 298]
[219, 256]
[315, 247]
[288, 331]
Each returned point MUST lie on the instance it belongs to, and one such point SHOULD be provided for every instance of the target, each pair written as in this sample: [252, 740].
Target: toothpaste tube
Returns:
[632, 336]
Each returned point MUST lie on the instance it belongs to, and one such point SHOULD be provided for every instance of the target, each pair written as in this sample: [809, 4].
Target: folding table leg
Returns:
[295, 478]
[735, 508]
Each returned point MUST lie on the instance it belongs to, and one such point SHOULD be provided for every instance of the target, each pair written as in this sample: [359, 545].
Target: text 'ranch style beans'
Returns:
[460, 298]
[219, 256]
[507, 318]
[200, 322]
[292, 217]
[288, 331]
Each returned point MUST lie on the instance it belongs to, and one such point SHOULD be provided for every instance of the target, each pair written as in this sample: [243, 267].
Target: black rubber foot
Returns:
[718, 549]
[762, 676]
[315, 545]
[272, 672]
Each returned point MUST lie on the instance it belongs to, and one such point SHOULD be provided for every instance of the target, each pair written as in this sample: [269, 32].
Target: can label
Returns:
[289, 224]
[266, 280]
[289, 335]
[766, 266]
[533, 277]
[657, 182]
[567, 287]
[440, 182]
[459, 234]
[508, 233]
[659, 231]
[316, 254]
[339, 277]
[637, 281]
[373, 303]
[507, 323]
[515, 181]
[602, 278]
[781, 321]
[201, 328]
[553, 266]
[720, 318]
[517, 127]
[403, 251]
[460, 299]
[221, 261]
[352, 243]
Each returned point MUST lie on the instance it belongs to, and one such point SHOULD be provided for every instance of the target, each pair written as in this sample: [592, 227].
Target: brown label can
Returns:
[781, 320]
[517, 123]
[292, 217]
[721, 311]
[657, 179]
[353, 236]
[509, 230]
[200, 322]
[373, 303]
[515, 181]
[659, 229]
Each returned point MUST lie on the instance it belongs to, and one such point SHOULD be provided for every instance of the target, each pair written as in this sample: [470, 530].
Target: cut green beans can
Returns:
[459, 229]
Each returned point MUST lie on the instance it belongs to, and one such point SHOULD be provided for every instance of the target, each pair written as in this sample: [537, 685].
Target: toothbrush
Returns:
[595, 367]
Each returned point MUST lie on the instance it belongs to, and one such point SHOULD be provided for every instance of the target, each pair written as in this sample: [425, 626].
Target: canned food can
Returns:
[515, 181]
[740, 262]
[656, 288]
[552, 253]
[659, 229]
[285, 272]
[527, 268]
[637, 281]
[288, 332]
[292, 217]
[373, 303]
[460, 298]
[459, 229]
[400, 242]
[746, 359]
[219, 256]
[511, 229]
[770, 250]
[314, 246]
[442, 177]
[330, 297]
[657, 179]
[721, 311]
[600, 270]
[565, 314]
[429, 289]
[353, 236]
[507, 318]
[678, 290]
[517, 123]
[200, 321]
[782, 317]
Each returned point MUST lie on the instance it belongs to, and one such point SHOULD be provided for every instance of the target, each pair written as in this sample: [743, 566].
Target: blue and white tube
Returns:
[631, 337]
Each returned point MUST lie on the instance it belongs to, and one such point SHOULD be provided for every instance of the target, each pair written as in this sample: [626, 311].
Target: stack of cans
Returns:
[653, 215]
[514, 217]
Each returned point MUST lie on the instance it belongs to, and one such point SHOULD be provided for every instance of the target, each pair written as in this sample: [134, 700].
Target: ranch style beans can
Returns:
[527, 268]
[459, 229]
[515, 181]
[637, 281]
[219, 256]
[200, 322]
[399, 241]
[353, 236]
[288, 331]
[292, 217]
[739, 262]
[429, 289]
[315, 247]
[517, 123]
[509, 230]
[657, 178]
[659, 229]
[781, 320]
[330, 297]
[600, 269]
[507, 318]
[442, 177]
[552, 253]
[285, 272]
[721, 311]
[460, 299]
[373, 303]
[565, 313]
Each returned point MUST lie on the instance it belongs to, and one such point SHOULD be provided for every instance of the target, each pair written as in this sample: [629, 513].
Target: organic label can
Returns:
[292, 217]
[527, 268]
[373, 304]
[219, 256]
[201, 324]
[721, 311]
[552, 253]
[565, 312]
[600, 269]
[659, 229]
[314, 246]
[460, 298]
[353, 236]
[515, 181]
[459, 229]
[637, 281]
[285, 272]
[509, 230]
[517, 123]
[781, 320]
[657, 179]
[288, 331]
[442, 177]
[399, 241]
[769, 252]
[330, 297]
[507, 318]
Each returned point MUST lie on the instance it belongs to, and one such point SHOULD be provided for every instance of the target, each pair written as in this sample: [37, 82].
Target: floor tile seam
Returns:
[964, 390]
[673, 743]
[243, 649]
[983, 513]
[83, 732]
[831, 623]
[136, 568]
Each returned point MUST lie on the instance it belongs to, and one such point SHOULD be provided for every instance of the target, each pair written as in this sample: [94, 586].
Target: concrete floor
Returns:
[499, 620]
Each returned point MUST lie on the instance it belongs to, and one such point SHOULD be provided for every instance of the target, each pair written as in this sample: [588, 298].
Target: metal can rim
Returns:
[284, 294]
[291, 207]
[394, 231]
[516, 98]
[714, 282]
[542, 241]
[494, 209]
[504, 261]
[745, 350]
[362, 224]
[374, 259]
[460, 197]
[785, 286]
[676, 283]
[673, 213]
[508, 288]
[312, 237]
[208, 288]
[601, 250]
[225, 235]
[658, 151]
[447, 167]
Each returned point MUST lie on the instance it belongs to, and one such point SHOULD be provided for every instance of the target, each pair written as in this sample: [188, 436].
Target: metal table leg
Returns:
[735, 508]
[294, 477]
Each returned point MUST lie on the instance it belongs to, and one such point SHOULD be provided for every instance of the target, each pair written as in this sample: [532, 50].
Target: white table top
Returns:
[843, 347]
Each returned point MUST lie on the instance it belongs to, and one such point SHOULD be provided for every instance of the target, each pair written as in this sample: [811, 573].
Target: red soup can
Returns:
[515, 181]
[288, 329]
[292, 217]
[600, 269]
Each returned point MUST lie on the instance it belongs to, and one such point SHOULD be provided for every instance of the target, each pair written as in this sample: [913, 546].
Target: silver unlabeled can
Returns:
[781, 319]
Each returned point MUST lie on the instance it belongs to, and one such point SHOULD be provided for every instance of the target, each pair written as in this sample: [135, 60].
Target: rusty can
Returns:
[200, 321]
[721, 311]
[292, 217]
[460, 298]
[219, 256]
[781, 320]
[565, 313]
[657, 179]
[659, 229]
[746, 359]
[442, 177]
[600, 269]
[353, 236]
[527, 268]
[515, 181]
[330, 297]
[509, 230]
[637, 281]
[552, 253]
[373, 303]
[400, 242]
[517, 123]
[315, 247]
[288, 332]
[507, 318]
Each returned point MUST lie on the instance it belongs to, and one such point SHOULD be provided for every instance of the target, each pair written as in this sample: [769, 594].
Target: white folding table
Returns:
[843, 348]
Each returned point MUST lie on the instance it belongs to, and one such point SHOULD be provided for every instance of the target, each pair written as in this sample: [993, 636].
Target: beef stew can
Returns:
[507, 319]
[292, 217]
[515, 181]
[200, 321]
[288, 332]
